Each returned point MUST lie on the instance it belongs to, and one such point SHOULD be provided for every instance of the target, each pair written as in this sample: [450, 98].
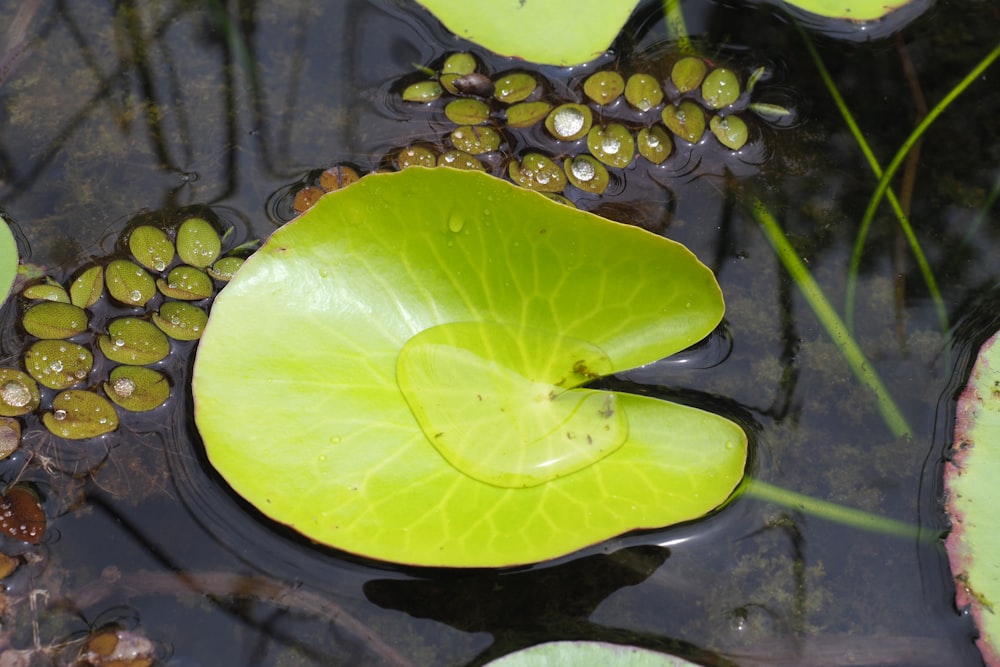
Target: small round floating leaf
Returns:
[198, 244]
[52, 319]
[18, 393]
[133, 341]
[459, 63]
[10, 438]
[688, 73]
[338, 176]
[350, 465]
[537, 172]
[526, 114]
[569, 122]
[306, 197]
[514, 87]
[720, 88]
[21, 514]
[459, 160]
[136, 388]
[686, 120]
[475, 84]
[467, 111]
[225, 268]
[151, 247]
[447, 82]
[422, 91]
[180, 320]
[87, 288]
[643, 92]
[78, 415]
[587, 174]
[654, 144]
[46, 291]
[58, 364]
[604, 87]
[415, 156]
[475, 140]
[129, 283]
[731, 131]
[613, 145]
[186, 283]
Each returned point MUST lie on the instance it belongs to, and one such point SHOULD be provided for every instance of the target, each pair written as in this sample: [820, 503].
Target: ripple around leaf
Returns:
[425, 288]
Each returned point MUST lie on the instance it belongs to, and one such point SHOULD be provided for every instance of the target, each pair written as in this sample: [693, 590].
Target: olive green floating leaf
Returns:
[433, 299]
[531, 30]
[569, 122]
[198, 244]
[972, 484]
[180, 320]
[129, 283]
[186, 283]
[225, 268]
[514, 87]
[78, 415]
[604, 87]
[537, 172]
[137, 388]
[18, 393]
[53, 319]
[49, 290]
[151, 247]
[133, 341]
[475, 140]
[8, 260]
[87, 288]
[643, 92]
[58, 364]
[613, 145]
[422, 91]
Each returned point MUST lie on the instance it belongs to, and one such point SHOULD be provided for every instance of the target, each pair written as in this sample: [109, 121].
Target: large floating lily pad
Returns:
[856, 20]
[587, 653]
[398, 373]
[972, 479]
[526, 29]
[8, 260]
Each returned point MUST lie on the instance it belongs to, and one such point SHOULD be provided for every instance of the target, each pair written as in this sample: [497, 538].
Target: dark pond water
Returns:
[117, 112]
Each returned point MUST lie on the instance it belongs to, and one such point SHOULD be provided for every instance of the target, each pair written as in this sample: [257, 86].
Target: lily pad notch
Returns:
[419, 393]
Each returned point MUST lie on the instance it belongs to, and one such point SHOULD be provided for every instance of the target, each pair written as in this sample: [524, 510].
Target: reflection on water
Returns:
[114, 111]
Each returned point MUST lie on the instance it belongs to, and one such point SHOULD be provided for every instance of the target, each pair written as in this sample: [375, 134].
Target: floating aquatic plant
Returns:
[587, 653]
[414, 388]
[971, 484]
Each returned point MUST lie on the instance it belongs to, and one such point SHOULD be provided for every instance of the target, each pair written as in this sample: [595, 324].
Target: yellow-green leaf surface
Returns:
[8, 260]
[398, 373]
[537, 30]
[856, 20]
[972, 480]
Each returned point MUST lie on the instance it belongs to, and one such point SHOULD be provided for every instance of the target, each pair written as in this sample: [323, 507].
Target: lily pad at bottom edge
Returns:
[331, 366]
[555, 654]
[972, 483]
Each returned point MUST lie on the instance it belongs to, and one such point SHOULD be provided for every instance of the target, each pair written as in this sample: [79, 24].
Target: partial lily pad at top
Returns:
[398, 373]
[972, 483]
[855, 20]
[571, 653]
[537, 30]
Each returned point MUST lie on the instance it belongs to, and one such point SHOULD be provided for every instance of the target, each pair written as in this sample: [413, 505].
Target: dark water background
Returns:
[117, 110]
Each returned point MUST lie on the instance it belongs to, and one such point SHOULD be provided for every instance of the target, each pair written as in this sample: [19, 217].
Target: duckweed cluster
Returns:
[585, 137]
[120, 319]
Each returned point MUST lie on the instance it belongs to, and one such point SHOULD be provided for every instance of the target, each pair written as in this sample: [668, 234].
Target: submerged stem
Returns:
[828, 317]
[904, 222]
[830, 511]
[676, 27]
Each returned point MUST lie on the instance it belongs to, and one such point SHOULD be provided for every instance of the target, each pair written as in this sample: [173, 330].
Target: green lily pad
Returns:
[398, 373]
[587, 653]
[525, 29]
[856, 20]
[972, 495]
[8, 260]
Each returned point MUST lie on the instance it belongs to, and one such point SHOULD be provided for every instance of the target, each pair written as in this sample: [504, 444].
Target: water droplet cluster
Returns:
[122, 315]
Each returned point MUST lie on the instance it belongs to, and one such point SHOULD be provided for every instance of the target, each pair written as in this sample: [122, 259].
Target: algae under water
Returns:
[116, 113]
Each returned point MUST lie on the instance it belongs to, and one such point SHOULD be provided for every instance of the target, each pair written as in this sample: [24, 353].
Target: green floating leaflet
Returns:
[417, 396]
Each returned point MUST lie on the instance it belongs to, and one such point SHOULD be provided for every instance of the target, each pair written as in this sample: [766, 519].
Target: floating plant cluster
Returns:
[582, 141]
[125, 312]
